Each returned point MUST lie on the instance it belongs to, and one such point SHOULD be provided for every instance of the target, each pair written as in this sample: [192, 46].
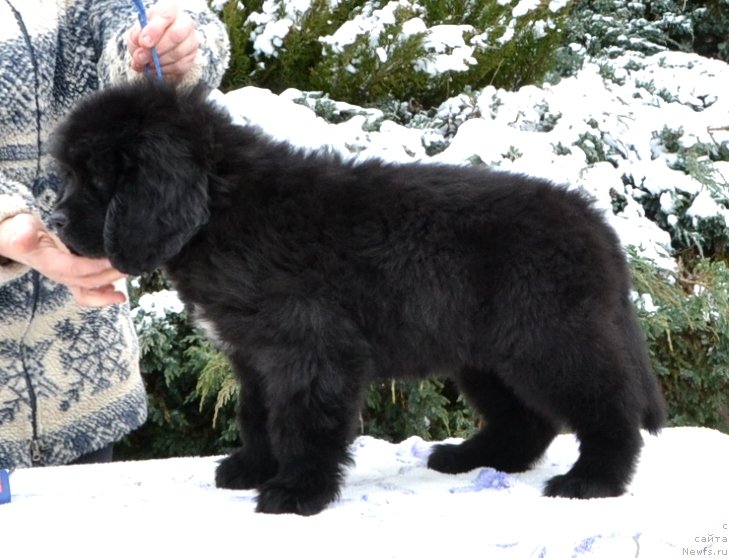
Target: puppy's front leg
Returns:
[254, 463]
[313, 368]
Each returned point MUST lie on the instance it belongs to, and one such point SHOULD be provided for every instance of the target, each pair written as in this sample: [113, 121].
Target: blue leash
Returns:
[142, 14]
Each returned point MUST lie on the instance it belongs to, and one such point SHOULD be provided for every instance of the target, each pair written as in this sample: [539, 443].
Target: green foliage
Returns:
[686, 320]
[368, 51]
[711, 28]
[367, 73]
[301, 51]
[607, 29]
[218, 387]
[235, 15]
[392, 410]
[431, 409]
[174, 358]
[593, 147]
[612, 27]
[523, 59]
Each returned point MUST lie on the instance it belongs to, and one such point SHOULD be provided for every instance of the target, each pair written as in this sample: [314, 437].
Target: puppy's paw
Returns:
[241, 472]
[573, 486]
[448, 458]
[300, 498]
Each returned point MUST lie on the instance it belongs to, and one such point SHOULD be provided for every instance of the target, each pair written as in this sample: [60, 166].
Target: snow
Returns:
[391, 506]
[524, 7]
[704, 207]
[372, 23]
[446, 45]
[159, 304]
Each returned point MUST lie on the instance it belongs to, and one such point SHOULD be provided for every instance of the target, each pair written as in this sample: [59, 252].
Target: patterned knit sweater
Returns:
[69, 376]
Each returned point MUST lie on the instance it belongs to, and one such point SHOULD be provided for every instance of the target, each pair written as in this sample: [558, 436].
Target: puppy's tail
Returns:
[654, 405]
[654, 414]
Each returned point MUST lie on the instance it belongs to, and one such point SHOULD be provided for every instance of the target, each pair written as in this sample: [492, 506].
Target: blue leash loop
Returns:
[142, 15]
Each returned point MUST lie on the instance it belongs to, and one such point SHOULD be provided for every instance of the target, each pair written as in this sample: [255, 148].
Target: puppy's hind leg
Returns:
[254, 463]
[606, 463]
[601, 400]
[513, 438]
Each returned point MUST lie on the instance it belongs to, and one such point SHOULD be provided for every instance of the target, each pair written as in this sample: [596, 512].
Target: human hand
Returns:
[24, 239]
[172, 32]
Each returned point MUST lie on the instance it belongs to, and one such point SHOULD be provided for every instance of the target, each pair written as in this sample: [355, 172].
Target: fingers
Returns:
[84, 273]
[53, 259]
[91, 281]
[172, 32]
[102, 296]
[24, 239]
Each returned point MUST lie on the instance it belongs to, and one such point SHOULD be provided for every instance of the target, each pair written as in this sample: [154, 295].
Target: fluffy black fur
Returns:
[318, 275]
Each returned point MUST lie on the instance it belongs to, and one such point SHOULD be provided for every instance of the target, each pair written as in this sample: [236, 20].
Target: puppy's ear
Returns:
[161, 201]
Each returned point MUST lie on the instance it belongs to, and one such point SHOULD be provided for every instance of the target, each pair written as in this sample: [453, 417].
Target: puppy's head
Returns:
[134, 163]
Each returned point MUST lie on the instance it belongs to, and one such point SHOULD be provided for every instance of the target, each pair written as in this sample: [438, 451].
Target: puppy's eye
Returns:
[99, 188]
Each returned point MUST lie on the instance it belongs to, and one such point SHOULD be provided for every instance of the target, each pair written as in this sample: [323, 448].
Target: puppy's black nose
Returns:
[58, 220]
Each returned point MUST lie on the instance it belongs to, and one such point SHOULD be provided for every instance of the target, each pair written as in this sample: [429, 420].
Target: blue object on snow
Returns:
[487, 479]
[4, 487]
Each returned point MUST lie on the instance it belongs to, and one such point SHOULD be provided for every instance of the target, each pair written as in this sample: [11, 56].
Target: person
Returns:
[70, 385]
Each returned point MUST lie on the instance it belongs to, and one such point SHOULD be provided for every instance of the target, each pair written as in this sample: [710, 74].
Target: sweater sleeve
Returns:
[110, 23]
[13, 201]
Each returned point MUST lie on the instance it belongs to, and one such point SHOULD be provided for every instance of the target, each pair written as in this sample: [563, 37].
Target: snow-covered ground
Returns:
[391, 506]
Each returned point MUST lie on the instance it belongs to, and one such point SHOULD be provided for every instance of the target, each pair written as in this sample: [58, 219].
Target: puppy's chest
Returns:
[208, 305]
[211, 329]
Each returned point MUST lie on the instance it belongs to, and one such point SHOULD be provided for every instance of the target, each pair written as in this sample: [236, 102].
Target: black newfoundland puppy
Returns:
[318, 275]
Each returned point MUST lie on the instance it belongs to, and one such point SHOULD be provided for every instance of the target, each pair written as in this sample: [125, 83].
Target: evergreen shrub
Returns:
[177, 365]
[685, 316]
[694, 238]
[368, 51]
[613, 27]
